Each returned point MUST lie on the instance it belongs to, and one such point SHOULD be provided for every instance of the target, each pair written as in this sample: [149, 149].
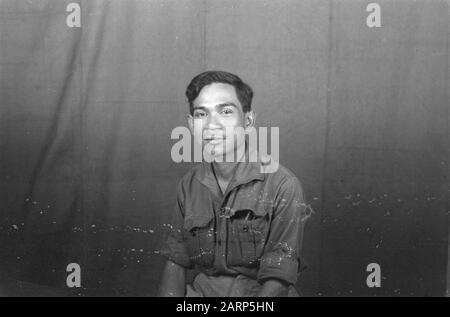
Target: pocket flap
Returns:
[259, 211]
[196, 222]
[243, 211]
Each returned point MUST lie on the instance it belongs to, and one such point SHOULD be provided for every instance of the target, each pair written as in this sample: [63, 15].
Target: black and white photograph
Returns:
[241, 149]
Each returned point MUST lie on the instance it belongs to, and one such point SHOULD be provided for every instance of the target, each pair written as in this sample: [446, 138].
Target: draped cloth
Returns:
[86, 116]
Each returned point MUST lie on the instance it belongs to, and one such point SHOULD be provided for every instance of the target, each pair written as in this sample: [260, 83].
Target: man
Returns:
[238, 226]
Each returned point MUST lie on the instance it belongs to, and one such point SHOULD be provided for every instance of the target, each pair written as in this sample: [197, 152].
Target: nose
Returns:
[213, 121]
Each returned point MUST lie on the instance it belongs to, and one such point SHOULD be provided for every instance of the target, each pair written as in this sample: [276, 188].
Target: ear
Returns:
[250, 119]
[190, 122]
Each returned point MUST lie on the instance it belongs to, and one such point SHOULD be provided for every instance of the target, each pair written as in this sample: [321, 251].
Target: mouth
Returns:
[213, 137]
[214, 140]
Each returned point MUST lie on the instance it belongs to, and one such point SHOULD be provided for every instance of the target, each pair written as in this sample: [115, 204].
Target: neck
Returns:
[224, 170]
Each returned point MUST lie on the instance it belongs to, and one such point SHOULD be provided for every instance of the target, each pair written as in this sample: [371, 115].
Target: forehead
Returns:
[217, 93]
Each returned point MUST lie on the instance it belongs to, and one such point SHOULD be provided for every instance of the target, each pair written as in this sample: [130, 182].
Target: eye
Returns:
[199, 114]
[227, 111]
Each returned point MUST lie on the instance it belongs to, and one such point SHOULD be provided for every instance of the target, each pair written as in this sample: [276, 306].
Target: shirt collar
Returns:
[245, 172]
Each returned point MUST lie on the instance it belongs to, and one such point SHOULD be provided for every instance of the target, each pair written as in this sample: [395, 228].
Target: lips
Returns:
[214, 140]
[213, 137]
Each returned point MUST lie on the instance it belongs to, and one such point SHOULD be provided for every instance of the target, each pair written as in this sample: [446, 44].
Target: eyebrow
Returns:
[221, 105]
[227, 104]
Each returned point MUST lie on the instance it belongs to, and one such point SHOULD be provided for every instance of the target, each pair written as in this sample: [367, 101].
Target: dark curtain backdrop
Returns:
[86, 116]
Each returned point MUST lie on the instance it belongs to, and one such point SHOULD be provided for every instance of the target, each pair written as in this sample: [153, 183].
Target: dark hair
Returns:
[243, 91]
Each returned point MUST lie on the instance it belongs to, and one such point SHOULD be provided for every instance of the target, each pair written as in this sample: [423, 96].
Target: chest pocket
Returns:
[199, 239]
[246, 237]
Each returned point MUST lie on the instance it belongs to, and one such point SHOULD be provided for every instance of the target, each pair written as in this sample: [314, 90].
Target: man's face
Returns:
[217, 112]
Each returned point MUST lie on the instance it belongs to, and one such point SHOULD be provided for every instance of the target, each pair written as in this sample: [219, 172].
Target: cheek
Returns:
[198, 125]
[198, 128]
[235, 121]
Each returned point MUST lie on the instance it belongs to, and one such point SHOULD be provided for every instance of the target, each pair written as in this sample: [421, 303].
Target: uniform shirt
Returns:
[255, 228]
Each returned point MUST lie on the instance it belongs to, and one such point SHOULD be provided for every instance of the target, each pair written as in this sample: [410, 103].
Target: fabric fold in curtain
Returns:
[86, 116]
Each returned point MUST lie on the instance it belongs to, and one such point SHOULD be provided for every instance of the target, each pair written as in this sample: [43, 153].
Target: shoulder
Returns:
[187, 180]
[289, 194]
[284, 179]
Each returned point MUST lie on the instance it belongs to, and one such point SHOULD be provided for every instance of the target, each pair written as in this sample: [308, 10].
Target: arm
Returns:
[173, 281]
[273, 288]
[280, 261]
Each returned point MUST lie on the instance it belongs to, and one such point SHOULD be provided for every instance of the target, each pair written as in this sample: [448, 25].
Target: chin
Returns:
[219, 156]
[223, 156]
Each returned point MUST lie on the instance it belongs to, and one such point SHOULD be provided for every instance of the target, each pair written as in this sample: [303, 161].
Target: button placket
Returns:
[223, 232]
[225, 212]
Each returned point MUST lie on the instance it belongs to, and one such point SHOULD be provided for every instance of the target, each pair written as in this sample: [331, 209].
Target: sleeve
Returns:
[174, 248]
[281, 256]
